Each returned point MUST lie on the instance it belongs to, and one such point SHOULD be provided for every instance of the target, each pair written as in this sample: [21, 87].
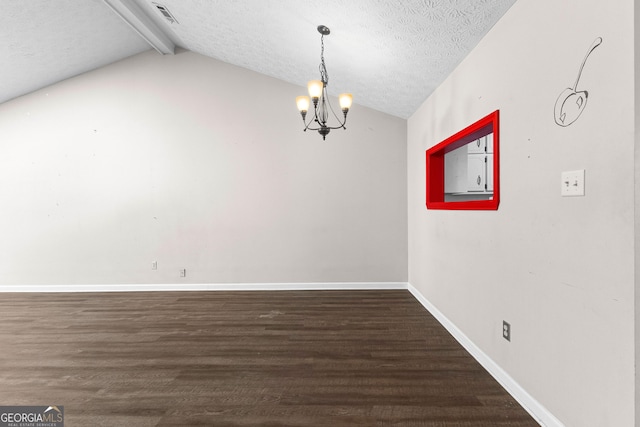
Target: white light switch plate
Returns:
[572, 183]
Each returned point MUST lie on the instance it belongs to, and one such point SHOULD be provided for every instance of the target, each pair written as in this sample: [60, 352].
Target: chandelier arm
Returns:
[342, 123]
[334, 127]
[307, 126]
[314, 118]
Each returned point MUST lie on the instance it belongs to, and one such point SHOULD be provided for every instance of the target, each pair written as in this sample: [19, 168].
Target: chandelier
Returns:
[321, 104]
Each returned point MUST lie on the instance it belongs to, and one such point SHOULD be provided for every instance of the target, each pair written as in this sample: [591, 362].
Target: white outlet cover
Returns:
[572, 183]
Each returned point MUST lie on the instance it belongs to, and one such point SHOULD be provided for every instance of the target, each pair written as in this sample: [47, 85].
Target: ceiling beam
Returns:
[137, 19]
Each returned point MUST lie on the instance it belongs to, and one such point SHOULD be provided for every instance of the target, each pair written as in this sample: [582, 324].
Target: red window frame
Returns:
[435, 165]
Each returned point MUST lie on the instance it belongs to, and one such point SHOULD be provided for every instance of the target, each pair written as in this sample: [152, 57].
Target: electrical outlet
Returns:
[506, 331]
[183, 272]
[154, 265]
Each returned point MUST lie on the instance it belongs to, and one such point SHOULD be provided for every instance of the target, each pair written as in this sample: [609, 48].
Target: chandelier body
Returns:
[321, 104]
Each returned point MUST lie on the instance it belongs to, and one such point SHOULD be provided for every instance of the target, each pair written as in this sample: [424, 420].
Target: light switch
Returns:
[572, 183]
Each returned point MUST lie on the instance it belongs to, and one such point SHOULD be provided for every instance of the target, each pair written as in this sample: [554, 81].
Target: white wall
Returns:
[560, 270]
[195, 164]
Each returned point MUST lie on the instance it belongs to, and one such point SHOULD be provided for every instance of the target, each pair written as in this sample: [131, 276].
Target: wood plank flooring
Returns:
[309, 358]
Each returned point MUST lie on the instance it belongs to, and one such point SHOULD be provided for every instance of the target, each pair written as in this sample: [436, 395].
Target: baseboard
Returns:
[528, 402]
[171, 287]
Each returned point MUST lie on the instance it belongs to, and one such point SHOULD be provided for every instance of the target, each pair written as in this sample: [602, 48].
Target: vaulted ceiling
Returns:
[391, 54]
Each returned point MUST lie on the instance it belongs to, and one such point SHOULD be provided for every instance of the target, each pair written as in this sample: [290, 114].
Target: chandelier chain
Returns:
[324, 76]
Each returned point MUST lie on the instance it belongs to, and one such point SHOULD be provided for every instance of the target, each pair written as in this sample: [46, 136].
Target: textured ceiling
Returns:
[43, 42]
[390, 54]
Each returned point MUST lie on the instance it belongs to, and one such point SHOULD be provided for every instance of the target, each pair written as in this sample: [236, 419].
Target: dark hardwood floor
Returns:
[310, 358]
